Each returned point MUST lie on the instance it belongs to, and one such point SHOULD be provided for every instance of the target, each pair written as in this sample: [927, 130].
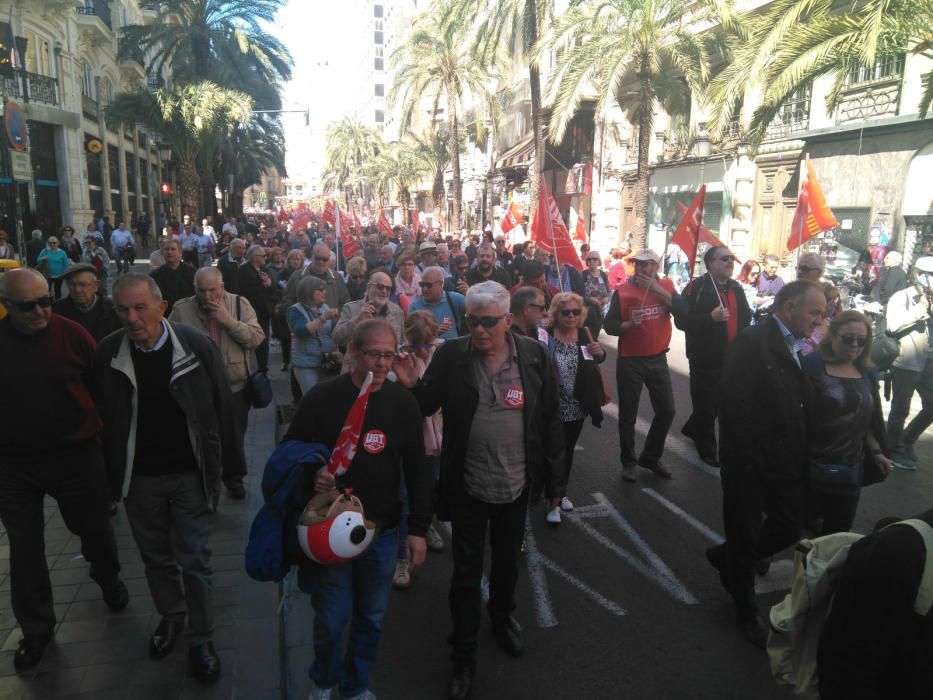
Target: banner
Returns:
[812, 216]
[549, 232]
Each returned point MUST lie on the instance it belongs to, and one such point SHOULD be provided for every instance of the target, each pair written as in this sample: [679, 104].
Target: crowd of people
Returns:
[468, 340]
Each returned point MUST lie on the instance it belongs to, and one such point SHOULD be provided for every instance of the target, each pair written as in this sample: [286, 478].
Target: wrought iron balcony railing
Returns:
[96, 8]
[31, 87]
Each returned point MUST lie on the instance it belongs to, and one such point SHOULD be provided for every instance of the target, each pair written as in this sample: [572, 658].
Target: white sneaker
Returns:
[319, 693]
[402, 578]
[435, 541]
[566, 505]
[553, 516]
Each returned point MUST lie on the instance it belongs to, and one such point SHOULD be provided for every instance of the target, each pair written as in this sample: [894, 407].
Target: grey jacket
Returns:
[906, 309]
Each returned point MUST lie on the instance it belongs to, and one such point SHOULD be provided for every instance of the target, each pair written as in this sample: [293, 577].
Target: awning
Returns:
[518, 155]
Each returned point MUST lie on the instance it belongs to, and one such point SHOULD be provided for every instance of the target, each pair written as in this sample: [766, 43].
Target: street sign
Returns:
[21, 166]
[14, 121]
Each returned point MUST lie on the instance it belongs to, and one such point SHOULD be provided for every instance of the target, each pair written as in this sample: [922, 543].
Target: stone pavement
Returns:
[98, 654]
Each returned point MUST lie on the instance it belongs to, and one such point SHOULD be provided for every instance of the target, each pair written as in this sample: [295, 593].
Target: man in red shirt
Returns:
[640, 313]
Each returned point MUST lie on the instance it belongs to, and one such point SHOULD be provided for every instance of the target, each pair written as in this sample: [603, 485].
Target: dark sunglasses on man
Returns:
[27, 306]
[484, 321]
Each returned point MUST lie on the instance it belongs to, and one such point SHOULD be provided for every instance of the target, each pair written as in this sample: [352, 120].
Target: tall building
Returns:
[74, 167]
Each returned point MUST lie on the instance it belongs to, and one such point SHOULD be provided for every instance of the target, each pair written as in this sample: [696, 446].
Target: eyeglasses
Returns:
[318, 258]
[592, 259]
[27, 306]
[377, 355]
[849, 339]
[484, 321]
[427, 284]
[569, 312]
[381, 287]
[536, 306]
[806, 268]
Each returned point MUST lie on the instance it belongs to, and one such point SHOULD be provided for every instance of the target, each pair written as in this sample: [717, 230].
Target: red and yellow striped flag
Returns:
[812, 215]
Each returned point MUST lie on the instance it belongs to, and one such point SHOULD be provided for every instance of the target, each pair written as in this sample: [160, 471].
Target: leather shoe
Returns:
[763, 566]
[237, 490]
[205, 664]
[30, 651]
[163, 639]
[718, 557]
[461, 683]
[115, 595]
[509, 636]
[754, 628]
[711, 461]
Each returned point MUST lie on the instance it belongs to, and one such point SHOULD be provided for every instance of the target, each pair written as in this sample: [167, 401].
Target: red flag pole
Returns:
[337, 224]
[550, 228]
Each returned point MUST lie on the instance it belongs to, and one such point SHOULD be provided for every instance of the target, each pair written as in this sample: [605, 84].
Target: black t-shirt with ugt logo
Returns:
[391, 443]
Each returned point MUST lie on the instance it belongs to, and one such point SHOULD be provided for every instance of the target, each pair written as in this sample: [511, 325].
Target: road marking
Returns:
[537, 563]
[709, 533]
[593, 510]
[673, 443]
[658, 571]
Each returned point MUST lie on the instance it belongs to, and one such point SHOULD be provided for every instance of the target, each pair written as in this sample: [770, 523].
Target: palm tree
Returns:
[397, 167]
[797, 41]
[348, 146]
[514, 27]
[184, 117]
[248, 152]
[639, 53]
[435, 60]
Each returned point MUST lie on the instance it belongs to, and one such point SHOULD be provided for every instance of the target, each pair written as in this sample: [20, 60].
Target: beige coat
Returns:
[236, 342]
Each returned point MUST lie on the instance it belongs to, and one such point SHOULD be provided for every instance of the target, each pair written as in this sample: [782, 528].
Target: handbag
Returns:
[834, 477]
[607, 397]
[258, 387]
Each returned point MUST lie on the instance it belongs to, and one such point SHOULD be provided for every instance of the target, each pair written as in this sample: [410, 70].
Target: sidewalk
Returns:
[104, 655]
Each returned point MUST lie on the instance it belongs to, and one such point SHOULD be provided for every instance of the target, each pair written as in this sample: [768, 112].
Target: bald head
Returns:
[24, 293]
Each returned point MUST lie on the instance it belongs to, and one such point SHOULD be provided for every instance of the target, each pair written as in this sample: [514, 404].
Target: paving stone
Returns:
[13, 687]
[61, 682]
[107, 676]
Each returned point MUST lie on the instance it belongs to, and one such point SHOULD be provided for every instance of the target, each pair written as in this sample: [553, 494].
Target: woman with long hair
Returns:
[846, 437]
[748, 278]
[575, 354]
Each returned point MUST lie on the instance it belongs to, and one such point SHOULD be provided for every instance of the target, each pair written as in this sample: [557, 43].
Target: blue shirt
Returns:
[443, 310]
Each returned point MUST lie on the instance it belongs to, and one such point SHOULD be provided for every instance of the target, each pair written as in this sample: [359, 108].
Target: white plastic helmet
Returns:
[925, 264]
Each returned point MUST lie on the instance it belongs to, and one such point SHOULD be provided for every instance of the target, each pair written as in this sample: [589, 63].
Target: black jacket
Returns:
[588, 387]
[762, 411]
[707, 339]
[100, 321]
[448, 385]
[202, 391]
[262, 298]
[174, 284]
[228, 271]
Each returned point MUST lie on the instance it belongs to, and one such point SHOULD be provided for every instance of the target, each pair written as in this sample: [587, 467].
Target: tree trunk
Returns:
[236, 203]
[437, 190]
[404, 196]
[456, 185]
[645, 122]
[537, 117]
[189, 188]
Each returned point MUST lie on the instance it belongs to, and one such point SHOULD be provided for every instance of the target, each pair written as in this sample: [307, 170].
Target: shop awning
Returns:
[518, 155]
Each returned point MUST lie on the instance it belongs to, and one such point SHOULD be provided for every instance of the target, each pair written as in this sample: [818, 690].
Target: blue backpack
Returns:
[286, 487]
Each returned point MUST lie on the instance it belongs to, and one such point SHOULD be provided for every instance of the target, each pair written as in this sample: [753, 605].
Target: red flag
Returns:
[687, 235]
[329, 216]
[549, 232]
[383, 225]
[349, 438]
[812, 216]
[415, 225]
[513, 217]
[579, 231]
[348, 244]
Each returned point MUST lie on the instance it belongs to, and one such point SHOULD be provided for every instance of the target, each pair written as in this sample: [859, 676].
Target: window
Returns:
[130, 161]
[379, 25]
[113, 164]
[378, 64]
[377, 10]
[377, 38]
[885, 67]
[87, 83]
[380, 90]
[794, 114]
[379, 52]
[380, 116]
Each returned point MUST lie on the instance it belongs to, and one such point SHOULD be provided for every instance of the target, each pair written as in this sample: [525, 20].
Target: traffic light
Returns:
[166, 189]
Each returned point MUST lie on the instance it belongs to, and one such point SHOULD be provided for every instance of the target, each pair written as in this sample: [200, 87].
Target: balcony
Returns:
[873, 91]
[793, 116]
[89, 107]
[95, 17]
[132, 62]
[30, 87]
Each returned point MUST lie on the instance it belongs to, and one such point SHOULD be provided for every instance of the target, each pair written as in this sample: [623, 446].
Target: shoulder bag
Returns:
[258, 387]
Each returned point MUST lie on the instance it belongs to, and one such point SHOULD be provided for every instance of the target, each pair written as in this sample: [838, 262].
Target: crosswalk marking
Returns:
[710, 534]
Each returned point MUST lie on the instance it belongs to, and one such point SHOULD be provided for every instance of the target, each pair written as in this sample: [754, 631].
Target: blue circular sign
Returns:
[17, 131]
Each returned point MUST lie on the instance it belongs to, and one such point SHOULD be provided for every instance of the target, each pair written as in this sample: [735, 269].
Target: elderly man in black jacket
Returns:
[712, 312]
[84, 305]
[503, 445]
[168, 429]
[763, 446]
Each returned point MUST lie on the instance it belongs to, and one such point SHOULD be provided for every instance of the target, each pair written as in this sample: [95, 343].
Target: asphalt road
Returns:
[619, 600]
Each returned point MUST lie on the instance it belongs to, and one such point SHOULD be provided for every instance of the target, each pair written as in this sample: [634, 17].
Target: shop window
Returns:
[113, 165]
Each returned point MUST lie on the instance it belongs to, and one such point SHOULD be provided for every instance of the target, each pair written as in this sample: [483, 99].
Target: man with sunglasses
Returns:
[810, 267]
[640, 312]
[528, 309]
[448, 308]
[714, 311]
[374, 304]
[503, 446]
[336, 292]
[47, 364]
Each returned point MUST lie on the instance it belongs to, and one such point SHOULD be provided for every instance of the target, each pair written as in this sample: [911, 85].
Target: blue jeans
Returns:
[359, 590]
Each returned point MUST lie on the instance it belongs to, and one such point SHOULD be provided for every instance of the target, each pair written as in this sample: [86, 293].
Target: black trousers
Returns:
[572, 431]
[234, 471]
[745, 497]
[75, 478]
[633, 373]
[704, 396]
[506, 525]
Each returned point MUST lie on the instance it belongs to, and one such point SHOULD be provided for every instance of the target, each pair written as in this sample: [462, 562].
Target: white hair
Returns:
[486, 293]
[812, 260]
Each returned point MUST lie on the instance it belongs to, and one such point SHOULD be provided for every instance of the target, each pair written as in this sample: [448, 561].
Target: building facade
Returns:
[63, 73]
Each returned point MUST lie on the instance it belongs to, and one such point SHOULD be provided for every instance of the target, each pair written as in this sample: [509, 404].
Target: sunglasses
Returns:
[427, 284]
[381, 287]
[320, 259]
[536, 306]
[569, 312]
[592, 259]
[849, 339]
[27, 306]
[484, 321]
[377, 355]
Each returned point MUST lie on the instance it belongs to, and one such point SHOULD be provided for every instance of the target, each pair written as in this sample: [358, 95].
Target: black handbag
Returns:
[834, 477]
[258, 387]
